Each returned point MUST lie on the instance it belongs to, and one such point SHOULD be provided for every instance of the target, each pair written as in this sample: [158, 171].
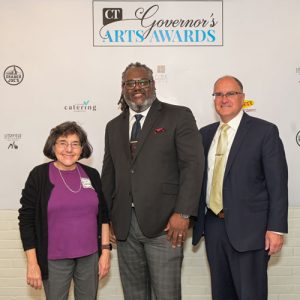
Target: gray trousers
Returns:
[83, 271]
[149, 266]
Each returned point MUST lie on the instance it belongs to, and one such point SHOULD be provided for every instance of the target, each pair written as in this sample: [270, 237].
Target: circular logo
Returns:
[13, 75]
[298, 138]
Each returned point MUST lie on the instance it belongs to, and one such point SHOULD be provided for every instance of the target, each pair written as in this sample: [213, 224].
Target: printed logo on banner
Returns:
[248, 106]
[13, 75]
[161, 75]
[168, 23]
[13, 140]
[112, 15]
[85, 106]
[298, 138]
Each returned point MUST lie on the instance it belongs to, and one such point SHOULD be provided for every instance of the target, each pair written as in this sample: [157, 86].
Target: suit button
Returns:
[132, 171]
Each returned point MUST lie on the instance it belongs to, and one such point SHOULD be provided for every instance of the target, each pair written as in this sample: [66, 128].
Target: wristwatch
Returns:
[107, 246]
[184, 216]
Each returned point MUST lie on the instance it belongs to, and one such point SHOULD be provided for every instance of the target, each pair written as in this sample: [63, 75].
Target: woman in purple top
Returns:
[63, 219]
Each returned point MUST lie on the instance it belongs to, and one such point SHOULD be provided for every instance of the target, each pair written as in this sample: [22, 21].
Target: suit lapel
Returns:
[124, 133]
[152, 116]
[207, 140]
[238, 139]
[209, 137]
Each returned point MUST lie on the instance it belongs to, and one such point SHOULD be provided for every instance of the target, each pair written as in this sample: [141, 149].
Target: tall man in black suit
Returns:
[245, 194]
[151, 177]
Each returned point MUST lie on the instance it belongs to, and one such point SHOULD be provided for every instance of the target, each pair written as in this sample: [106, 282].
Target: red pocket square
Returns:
[159, 130]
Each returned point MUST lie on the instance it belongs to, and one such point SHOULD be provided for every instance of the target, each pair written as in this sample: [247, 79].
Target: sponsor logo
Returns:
[85, 106]
[13, 139]
[167, 23]
[161, 75]
[298, 138]
[248, 103]
[248, 106]
[13, 75]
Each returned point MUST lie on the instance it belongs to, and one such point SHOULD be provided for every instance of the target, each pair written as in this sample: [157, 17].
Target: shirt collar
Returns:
[235, 122]
[132, 113]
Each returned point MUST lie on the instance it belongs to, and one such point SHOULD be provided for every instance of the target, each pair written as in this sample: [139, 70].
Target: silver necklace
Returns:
[66, 183]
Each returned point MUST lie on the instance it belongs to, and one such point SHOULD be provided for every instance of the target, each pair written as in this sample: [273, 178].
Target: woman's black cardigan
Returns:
[33, 221]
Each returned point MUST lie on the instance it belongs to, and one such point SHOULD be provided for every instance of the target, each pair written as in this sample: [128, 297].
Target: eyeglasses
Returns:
[131, 84]
[64, 145]
[228, 95]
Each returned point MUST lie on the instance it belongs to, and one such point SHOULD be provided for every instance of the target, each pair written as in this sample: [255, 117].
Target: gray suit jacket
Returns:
[165, 175]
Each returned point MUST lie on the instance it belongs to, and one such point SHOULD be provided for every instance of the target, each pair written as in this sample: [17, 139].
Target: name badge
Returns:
[86, 183]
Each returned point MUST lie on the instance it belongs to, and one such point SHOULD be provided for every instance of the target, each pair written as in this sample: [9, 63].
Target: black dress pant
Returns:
[234, 275]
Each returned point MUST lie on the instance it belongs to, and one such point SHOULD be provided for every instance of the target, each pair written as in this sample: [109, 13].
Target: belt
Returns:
[220, 215]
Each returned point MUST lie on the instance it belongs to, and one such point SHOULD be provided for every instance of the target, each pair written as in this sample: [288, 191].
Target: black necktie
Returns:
[136, 128]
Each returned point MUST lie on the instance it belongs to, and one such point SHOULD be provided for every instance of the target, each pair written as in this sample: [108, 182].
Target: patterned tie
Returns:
[136, 128]
[215, 199]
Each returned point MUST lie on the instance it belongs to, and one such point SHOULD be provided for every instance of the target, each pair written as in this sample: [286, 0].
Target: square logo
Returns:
[111, 15]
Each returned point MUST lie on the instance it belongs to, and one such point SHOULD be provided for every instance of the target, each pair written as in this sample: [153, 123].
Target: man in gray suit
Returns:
[151, 176]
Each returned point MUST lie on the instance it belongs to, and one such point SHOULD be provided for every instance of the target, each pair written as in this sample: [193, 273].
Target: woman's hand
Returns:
[34, 276]
[104, 263]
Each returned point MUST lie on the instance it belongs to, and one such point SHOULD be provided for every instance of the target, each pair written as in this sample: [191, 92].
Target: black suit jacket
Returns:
[255, 191]
[165, 175]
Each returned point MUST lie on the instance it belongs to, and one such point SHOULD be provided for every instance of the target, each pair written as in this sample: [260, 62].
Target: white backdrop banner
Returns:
[52, 72]
[171, 23]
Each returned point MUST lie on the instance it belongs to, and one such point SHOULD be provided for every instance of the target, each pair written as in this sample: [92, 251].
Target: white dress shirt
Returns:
[132, 119]
[231, 132]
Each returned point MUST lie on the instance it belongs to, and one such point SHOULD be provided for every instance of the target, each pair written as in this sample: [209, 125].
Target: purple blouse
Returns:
[72, 216]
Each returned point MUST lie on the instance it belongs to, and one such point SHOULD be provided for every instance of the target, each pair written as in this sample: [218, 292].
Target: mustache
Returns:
[139, 92]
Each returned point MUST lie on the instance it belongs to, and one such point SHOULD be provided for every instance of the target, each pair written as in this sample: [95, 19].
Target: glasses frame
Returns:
[228, 95]
[139, 82]
[65, 145]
